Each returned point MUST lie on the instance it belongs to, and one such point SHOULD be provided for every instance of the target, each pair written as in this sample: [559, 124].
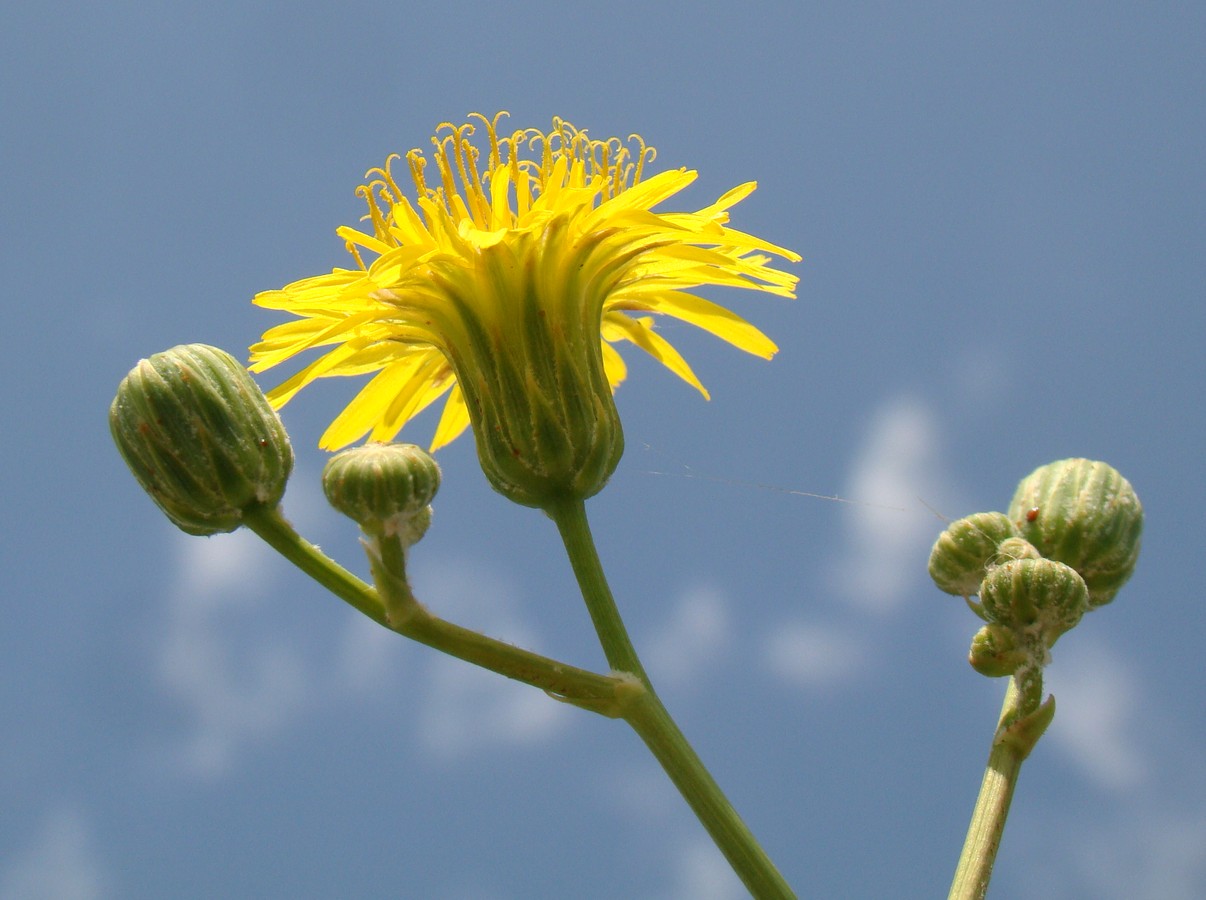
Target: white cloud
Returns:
[640, 792]
[702, 873]
[814, 656]
[695, 636]
[368, 657]
[216, 569]
[307, 508]
[1138, 854]
[235, 684]
[59, 863]
[1097, 699]
[981, 378]
[889, 529]
[465, 709]
[243, 676]
[1162, 858]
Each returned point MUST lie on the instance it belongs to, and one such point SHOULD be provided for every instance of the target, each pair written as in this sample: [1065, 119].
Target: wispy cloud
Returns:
[811, 655]
[463, 709]
[639, 792]
[693, 639]
[1150, 855]
[235, 682]
[888, 531]
[1098, 699]
[243, 678]
[1139, 852]
[466, 710]
[367, 658]
[702, 873]
[60, 862]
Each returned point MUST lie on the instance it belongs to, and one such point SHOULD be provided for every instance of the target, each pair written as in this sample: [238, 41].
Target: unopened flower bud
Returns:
[1085, 514]
[200, 438]
[1040, 596]
[1016, 548]
[995, 651]
[964, 550]
[386, 488]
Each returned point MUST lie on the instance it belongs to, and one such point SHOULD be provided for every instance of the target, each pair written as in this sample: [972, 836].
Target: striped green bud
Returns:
[995, 651]
[1015, 548]
[963, 552]
[200, 438]
[1085, 514]
[1036, 596]
[386, 488]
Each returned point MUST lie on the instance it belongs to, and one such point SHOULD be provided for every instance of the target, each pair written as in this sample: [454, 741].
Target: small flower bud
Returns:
[1016, 548]
[200, 438]
[995, 651]
[963, 552]
[385, 488]
[1034, 595]
[1085, 514]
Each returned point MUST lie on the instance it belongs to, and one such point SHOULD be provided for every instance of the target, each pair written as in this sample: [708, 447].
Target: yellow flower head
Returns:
[503, 285]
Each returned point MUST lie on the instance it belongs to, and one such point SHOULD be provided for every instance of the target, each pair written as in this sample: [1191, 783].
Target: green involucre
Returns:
[1036, 596]
[963, 552]
[995, 651]
[385, 488]
[200, 438]
[1083, 513]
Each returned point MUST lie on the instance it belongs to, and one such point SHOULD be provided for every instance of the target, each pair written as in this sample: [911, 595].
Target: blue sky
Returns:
[1001, 213]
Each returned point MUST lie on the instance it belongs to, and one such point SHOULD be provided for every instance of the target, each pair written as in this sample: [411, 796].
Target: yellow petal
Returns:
[430, 382]
[613, 364]
[331, 332]
[370, 405]
[453, 421]
[641, 333]
[711, 317]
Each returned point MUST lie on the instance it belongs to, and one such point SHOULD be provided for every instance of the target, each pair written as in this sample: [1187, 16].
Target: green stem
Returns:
[603, 694]
[1022, 722]
[649, 718]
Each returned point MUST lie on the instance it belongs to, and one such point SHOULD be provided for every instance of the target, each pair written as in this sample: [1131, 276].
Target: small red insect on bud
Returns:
[1032, 513]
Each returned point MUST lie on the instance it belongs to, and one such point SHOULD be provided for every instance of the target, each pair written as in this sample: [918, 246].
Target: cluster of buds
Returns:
[1069, 541]
[200, 437]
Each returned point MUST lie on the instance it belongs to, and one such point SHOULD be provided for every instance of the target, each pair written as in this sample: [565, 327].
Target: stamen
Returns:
[355, 251]
[417, 162]
[441, 158]
[492, 131]
[396, 193]
[365, 191]
[466, 164]
[647, 155]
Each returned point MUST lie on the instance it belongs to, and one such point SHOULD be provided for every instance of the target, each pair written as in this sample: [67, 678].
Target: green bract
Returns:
[1085, 514]
[965, 549]
[1037, 596]
[385, 488]
[995, 651]
[200, 438]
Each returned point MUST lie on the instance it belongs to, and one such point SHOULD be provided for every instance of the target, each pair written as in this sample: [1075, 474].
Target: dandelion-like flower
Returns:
[503, 285]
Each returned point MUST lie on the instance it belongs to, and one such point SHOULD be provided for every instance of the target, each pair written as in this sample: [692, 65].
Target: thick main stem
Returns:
[649, 718]
[1019, 727]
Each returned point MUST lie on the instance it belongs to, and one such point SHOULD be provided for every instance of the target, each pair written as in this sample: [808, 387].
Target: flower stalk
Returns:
[579, 687]
[1021, 723]
[649, 718]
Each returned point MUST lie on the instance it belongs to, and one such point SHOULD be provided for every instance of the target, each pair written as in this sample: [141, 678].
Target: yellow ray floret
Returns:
[554, 225]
